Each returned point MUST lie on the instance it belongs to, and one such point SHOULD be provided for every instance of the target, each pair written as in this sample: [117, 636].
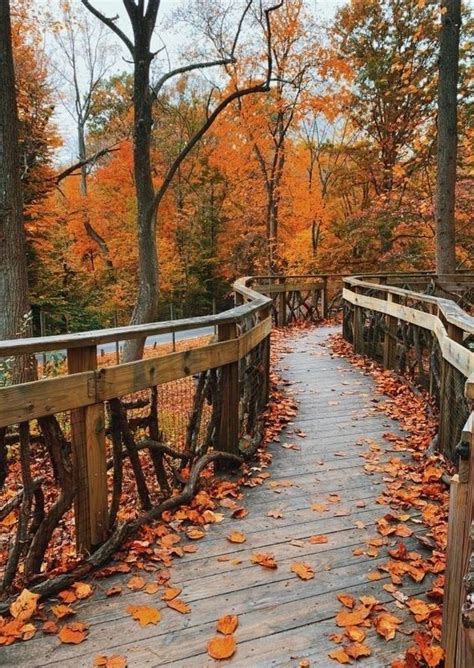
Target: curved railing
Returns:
[431, 339]
[97, 427]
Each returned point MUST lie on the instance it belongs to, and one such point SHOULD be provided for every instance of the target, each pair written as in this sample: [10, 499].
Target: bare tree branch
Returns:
[110, 22]
[88, 161]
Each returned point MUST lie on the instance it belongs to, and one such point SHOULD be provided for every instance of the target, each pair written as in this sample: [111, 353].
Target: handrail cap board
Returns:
[96, 337]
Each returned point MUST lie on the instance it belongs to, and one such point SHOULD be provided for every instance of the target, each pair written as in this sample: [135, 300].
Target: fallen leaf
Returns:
[276, 514]
[113, 591]
[170, 593]
[113, 661]
[347, 600]
[49, 627]
[387, 625]
[151, 588]
[73, 633]
[302, 570]
[82, 589]
[179, 605]
[357, 649]
[227, 624]
[136, 583]
[355, 633]
[24, 606]
[318, 539]
[144, 614]
[221, 647]
[62, 610]
[264, 559]
[195, 533]
[353, 618]
[236, 537]
[339, 655]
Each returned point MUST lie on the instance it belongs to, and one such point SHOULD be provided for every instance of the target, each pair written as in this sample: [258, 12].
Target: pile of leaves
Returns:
[156, 545]
[415, 496]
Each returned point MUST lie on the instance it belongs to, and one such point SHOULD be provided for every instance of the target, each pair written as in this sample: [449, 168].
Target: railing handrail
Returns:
[451, 312]
[254, 301]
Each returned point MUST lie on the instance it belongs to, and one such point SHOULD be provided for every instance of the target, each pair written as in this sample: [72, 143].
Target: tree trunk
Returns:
[146, 307]
[14, 303]
[447, 137]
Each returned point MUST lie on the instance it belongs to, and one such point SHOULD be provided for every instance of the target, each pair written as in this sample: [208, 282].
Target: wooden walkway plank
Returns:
[282, 619]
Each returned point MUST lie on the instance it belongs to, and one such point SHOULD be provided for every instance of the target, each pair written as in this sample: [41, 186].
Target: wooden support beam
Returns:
[390, 339]
[324, 299]
[228, 440]
[89, 459]
[358, 329]
[445, 435]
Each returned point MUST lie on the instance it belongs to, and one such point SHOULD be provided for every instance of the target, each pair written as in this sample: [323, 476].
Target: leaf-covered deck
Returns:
[282, 619]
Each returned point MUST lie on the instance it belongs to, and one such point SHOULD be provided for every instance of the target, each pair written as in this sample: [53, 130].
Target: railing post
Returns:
[324, 298]
[266, 362]
[454, 640]
[358, 327]
[445, 393]
[230, 397]
[281, 305]
[89, 459]
[390, 341]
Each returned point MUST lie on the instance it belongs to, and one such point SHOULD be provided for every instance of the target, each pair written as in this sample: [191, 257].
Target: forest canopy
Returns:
[326, 165]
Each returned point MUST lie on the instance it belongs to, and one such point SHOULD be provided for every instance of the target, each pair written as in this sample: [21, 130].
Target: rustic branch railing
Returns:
[427, 337]
[72, 446]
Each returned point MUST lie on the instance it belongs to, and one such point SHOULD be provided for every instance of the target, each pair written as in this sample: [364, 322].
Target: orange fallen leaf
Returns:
[170, 593]
[276, 514]
[113, 591]
[114, 661]
[227, 624]
[339, 655]
[353, 618]
[24, 606]
[194, 533]
[387, 625]
[374, 575]
[302, 570]
[318, 539]
[136, 583]
[264, 559]
[347, 600]
[82, 589]
[319, 508]
[73, 633]
[50, 627]
[62, 610]
[221, 647]
[144, 614]
[236, 537]
[355, 633]
[179, 605]
[151, 588]
[357, 649]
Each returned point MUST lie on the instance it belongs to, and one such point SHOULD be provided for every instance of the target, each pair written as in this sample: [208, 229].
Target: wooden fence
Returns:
[72, 444]
[431, 339]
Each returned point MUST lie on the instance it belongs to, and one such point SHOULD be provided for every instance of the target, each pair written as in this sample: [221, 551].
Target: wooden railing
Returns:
[70, 444]
[431, 339]
[419, 334]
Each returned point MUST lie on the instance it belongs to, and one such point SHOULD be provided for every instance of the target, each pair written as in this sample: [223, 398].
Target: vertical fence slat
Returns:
[229, 419]
[390, 340]
[89, 459]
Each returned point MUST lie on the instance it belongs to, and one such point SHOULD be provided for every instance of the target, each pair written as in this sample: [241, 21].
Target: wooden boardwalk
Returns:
[282, 619]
